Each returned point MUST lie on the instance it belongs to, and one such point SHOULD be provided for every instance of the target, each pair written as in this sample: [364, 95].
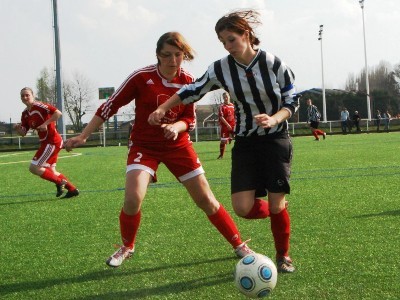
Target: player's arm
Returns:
[79, 140]
[156, 116]
[54, 117]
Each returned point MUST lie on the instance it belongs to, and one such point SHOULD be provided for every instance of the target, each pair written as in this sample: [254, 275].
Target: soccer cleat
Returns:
[119, 256]
[220, 157]
[60, 189]
[284, 264]
[242, 250]
[324, 135]
[71, 194]
[317, 140]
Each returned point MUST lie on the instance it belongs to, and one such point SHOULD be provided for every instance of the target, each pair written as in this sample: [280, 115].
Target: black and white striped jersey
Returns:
[266, 85]
[313, 113]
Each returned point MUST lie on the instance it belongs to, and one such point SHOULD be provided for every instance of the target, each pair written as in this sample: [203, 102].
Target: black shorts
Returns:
[262, 163]
[314, 124]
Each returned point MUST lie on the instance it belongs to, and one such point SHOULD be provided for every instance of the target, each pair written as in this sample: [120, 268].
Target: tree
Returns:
[45, 86]
[78, 94]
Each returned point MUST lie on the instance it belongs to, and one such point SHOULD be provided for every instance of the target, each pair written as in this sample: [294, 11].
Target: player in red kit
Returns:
[227, 123]
[168, 143]
[42, 117]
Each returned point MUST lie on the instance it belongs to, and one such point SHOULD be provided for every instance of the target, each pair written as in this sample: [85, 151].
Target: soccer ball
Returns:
[255, 275]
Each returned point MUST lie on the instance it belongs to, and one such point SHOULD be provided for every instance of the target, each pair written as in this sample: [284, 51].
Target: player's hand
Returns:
[265, 121]
[156, 116]
[41, 128]
[19, 129]
[74, 142]
[170, 132]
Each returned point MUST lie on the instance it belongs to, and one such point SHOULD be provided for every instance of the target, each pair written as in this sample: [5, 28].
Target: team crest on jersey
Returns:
[171, 115]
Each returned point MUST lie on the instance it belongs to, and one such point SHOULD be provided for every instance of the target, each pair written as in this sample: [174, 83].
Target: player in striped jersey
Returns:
[169, 144]
[262, 89]
[313, 117]
[41, 117]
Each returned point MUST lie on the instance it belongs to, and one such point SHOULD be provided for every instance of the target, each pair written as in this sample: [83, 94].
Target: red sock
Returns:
[226, 226]
[69, 186]
[50, 176]
[319, 132]
[221, 149]
[280, 226]
[129, 226]
[315, 134]
[260, 210]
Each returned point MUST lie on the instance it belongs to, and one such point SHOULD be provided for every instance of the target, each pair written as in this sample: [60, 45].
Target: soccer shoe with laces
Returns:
[71, 194]
[119, 256]
[242, 250]
[284, 264]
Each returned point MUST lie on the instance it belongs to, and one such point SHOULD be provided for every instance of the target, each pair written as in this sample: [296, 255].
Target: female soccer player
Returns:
[42, 117]
[226, 115]
[169, 143]
[262, 88]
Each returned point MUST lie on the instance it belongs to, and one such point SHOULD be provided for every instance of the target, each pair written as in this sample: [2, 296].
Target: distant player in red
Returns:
[41, 117]
[226, 122]
[168, 143]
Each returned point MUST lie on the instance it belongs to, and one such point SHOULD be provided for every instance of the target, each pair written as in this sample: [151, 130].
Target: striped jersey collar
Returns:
[251, 64]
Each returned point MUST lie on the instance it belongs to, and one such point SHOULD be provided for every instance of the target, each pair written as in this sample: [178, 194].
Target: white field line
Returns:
[11, 154]
[24, 161]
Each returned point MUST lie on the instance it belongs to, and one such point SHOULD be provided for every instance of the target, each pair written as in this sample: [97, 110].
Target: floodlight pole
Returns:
[60, 102]
[366, 64]
[321, 29]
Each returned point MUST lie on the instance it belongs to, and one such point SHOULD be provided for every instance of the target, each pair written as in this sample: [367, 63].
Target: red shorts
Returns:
[226, 134]
[47, 155]
[183, 163]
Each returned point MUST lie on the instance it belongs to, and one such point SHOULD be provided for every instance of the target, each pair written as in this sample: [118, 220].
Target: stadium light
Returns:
[366, 64]
[321, 29]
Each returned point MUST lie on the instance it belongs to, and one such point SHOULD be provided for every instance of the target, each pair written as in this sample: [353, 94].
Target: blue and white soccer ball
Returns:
[256, 275]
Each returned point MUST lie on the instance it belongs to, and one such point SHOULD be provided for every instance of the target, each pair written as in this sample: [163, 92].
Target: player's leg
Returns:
[130, 215]
[140, 171]
[204, 198]
[280, 227]
[185, 165]
[42, 162]
[223, 142]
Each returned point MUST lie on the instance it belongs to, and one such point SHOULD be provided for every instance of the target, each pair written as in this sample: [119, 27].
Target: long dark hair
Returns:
[240, 21]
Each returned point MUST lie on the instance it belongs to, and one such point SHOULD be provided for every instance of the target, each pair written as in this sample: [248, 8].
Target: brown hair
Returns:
[175, 39]
[239, 22]
[27, 89]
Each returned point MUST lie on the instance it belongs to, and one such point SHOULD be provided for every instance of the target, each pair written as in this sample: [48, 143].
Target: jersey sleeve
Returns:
[122, 96]
[189, 116]
[195, 91]
[285, 78]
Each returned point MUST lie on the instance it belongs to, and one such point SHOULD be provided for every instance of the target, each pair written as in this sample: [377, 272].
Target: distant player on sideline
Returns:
[42, 117]
[313, 117]
[167, 143]
[227, 123]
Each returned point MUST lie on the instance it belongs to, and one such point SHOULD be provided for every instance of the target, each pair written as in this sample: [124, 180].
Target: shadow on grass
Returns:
[381, 214]
[164, 290]
[182, 286]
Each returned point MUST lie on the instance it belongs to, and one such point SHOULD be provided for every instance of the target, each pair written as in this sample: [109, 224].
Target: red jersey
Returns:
[149, 89]
[36, 116]
[227, 111]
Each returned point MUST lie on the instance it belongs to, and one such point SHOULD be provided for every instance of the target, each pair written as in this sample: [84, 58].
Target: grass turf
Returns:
[344, 208]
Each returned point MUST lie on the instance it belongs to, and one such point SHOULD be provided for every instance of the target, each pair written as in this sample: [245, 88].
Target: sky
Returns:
[106, 40]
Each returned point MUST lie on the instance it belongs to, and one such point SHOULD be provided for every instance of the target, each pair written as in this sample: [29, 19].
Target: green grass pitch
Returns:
[344, 206]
